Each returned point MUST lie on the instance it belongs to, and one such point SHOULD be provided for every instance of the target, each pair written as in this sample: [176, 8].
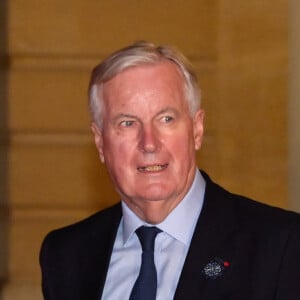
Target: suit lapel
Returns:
[210, 243]
[96, 254]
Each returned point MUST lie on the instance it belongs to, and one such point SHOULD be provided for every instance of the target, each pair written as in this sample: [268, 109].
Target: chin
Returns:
[156, 195]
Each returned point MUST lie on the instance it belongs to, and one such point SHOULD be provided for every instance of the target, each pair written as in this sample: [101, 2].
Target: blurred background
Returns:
[246, 55]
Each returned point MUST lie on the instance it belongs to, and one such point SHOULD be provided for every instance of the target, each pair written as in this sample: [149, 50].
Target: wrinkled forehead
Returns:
[155, 85]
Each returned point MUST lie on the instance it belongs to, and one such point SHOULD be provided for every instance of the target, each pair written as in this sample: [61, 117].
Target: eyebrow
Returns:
[130, 116]
[167, 109]
[121, 115]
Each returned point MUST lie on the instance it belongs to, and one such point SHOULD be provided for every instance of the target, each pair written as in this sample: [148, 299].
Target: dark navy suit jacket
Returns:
[241, 250]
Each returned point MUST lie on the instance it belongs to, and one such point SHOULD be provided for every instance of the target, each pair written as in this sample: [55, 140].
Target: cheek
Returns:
[182, 147]
[185, 140]
[117, 150]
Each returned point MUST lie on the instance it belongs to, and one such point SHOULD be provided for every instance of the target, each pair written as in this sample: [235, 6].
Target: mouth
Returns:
[152, 168]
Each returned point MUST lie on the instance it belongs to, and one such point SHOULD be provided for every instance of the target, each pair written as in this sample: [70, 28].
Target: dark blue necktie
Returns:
[146, 284]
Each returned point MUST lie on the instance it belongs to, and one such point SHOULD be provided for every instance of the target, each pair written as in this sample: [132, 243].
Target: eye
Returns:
[167, 119]
[127, 123]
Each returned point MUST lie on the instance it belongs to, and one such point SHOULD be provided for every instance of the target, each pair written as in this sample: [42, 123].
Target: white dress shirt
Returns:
[171, 247]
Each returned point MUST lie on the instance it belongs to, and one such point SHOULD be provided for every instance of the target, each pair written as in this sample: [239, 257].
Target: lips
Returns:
[152, 168]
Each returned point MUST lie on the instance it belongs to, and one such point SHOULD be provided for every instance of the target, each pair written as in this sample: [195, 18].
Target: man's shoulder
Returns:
[247, 210]
[263, 216]
[94, 226]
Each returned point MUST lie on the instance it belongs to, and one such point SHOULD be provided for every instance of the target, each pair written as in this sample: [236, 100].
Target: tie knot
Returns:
[147, 237]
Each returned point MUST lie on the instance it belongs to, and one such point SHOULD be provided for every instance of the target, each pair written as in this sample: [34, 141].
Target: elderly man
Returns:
[175, 234]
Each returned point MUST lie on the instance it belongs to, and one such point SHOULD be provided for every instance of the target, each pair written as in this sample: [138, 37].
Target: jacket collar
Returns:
[211, 240]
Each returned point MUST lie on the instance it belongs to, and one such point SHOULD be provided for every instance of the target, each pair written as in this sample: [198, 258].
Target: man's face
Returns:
[148, 139]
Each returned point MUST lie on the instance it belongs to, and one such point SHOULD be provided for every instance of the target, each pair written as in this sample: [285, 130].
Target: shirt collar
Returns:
[180, 223]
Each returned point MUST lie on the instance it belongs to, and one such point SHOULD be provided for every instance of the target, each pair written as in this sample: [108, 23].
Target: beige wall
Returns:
[3, 147]
[294, 106]
[51, 170]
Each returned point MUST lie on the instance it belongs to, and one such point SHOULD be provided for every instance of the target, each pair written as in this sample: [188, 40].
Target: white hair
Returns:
[137, 54]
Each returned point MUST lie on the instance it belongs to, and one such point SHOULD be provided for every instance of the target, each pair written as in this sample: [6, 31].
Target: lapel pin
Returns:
[215, 268]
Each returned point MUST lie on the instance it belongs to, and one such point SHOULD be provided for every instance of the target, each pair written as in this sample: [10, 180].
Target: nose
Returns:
[149, 139]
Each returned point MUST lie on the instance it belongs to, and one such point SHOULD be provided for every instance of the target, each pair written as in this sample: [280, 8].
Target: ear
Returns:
[98, 139]
[198, 128]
